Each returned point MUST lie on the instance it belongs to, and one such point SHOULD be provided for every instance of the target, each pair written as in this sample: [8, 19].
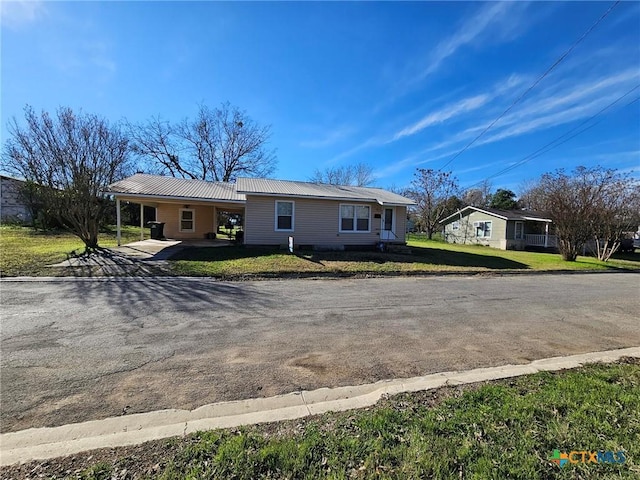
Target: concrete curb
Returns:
[313, 275]
[51, 442]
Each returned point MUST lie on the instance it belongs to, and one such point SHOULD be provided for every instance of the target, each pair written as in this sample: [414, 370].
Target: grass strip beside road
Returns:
[501, 429]
[25, 251]
[426, 257]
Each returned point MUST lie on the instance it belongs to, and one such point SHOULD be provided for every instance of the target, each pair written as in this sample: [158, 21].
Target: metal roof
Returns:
[168, 187]
[519, 215]
[287, 188]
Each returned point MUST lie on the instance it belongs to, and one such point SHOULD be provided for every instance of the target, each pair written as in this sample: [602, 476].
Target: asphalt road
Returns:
[84, 349]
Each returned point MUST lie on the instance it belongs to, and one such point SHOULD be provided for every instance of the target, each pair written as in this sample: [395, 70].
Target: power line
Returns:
[561, 139]
[534, 84]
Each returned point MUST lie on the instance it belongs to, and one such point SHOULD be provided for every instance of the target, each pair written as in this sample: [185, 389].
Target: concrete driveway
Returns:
[78, 349]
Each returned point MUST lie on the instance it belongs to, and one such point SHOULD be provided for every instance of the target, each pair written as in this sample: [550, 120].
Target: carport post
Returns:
[118, 235]
[141, 222]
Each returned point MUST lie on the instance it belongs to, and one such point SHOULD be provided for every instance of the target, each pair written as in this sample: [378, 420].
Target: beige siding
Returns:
[170, 214]
[466, 233]
[401, 223]
[316, 222]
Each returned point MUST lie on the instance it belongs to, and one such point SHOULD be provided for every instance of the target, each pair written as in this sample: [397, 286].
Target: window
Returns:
[355, 218]
[187, 220]
[487, 229]
[455, 225]
[483, 229]
[519, 231]
[284, 216]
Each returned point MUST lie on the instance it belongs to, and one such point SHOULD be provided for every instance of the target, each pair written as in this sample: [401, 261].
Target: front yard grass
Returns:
[426, 257]
[501, 429]
[25, 251]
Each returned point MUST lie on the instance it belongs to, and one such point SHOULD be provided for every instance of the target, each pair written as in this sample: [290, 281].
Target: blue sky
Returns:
[396, 85]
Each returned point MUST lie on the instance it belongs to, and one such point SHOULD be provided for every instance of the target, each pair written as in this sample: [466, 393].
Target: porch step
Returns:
[402, 249]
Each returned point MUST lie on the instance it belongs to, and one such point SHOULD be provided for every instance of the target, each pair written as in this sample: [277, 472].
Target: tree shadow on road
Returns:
[131, 296]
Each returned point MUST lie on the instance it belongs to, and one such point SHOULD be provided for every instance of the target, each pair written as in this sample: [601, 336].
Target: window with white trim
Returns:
[483, 229]
[455, 225]
[284, 216]
[187, 220]
[355, 218]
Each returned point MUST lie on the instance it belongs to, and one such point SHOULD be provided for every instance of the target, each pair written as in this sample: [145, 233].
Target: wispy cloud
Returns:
[493, 22]
[412, 161]
[19, 13]
[91, 58]
[561, 103]
[444, 114]
[459, 108]
[484, 166]
[489, 16]
[574, 101]
[329, 138]
[463, 106]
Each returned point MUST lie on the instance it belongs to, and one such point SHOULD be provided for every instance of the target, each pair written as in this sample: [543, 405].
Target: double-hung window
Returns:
[284, 216]
[483, 229]
[355, 218]
[187, 220]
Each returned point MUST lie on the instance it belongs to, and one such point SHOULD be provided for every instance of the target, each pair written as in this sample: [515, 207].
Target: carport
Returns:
[188, 208]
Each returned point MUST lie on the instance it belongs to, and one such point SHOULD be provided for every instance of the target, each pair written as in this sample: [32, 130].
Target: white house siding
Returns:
[316, 222]
[467, 234]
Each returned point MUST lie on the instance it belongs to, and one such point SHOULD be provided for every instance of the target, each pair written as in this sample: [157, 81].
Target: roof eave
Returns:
[173, 197]
[314, 197]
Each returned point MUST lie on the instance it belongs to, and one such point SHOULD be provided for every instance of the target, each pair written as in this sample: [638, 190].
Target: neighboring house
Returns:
[504, 229]
[316, 215]
[12, 207]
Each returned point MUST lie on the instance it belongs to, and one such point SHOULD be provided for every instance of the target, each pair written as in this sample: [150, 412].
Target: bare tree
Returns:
[360, 175]
[402, 191]
[590, 204]
[479, 196]
[220, 144]
[155, 141]
[617, 212]
[528, 194]
[69, 159]
[435, 193]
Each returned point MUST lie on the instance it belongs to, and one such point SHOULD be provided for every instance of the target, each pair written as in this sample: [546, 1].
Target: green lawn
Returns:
[498, 430]
[426, 257]
[25, 251]
[532, 260]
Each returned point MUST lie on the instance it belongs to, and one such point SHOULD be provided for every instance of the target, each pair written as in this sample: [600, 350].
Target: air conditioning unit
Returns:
[478, 225]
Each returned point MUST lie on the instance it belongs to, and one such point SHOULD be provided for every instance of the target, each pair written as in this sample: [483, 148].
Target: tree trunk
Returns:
[568, 250]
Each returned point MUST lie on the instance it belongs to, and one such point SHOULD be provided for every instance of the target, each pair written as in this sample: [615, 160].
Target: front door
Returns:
[387, 232]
